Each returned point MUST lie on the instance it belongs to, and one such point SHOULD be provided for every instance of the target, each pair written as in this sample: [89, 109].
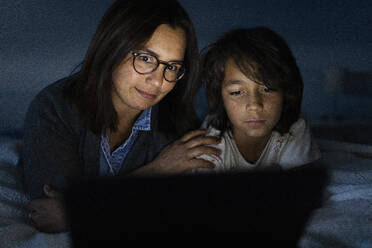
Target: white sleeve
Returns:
[205, 122]
[212, 158]
[299, 148]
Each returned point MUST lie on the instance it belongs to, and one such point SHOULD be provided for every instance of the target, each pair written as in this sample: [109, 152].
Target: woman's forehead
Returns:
[167, 43]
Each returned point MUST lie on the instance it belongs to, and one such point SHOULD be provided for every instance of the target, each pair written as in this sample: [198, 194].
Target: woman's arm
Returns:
[50, 150]
[50, 157]
[182, 155]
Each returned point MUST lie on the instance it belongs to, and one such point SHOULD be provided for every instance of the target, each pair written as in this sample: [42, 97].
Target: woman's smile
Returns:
[145, 94]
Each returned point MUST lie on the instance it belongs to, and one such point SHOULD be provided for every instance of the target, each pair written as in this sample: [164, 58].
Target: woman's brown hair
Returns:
[126, 25]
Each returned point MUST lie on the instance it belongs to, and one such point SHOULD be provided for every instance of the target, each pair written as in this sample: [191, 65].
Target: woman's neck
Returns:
[251, 148]
[124, 129]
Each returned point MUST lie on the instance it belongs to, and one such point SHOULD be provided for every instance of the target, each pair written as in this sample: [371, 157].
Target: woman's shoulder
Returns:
[52, 92]
[51, 105]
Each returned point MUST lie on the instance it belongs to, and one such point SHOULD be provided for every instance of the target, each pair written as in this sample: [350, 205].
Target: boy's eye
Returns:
[236, 93]
[268, 90]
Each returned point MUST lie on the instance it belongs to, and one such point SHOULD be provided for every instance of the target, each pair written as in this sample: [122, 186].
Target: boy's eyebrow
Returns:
[230, 82]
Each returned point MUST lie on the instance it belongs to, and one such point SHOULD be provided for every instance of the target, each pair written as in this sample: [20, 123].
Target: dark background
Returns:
[44, 40]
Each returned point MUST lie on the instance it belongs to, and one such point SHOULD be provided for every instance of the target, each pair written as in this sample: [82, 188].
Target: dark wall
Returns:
[44, 40]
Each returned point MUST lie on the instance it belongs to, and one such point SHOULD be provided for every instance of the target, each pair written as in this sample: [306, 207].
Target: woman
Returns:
[132, 97]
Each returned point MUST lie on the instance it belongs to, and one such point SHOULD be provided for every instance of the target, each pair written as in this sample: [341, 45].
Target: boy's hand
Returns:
[48, 214]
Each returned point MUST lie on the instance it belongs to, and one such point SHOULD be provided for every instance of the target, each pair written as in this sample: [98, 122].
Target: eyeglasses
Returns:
[145, 63]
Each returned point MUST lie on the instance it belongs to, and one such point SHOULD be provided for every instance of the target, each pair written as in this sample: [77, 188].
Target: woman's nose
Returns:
[156, 77]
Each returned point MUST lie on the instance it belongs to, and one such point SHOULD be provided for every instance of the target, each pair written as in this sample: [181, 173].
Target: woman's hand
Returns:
[48, 214]
[180, 156]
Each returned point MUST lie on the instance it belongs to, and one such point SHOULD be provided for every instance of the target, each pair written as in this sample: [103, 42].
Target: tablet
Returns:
[268, 207]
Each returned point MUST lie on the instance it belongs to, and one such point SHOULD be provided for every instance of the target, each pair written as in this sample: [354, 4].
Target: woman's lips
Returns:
[145, 94]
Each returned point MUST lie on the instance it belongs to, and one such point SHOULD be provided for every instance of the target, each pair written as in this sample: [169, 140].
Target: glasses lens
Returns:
[174, 72]
[145, 63]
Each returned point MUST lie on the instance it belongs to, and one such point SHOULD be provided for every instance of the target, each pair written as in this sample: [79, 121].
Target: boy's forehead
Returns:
[234, 74]
[230, 63]
[231, 68]
[244, 68]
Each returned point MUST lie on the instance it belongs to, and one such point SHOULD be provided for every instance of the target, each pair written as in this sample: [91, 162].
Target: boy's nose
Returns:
[253, 102]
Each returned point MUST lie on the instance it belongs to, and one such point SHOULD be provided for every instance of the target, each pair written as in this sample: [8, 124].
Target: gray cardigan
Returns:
[59, 148]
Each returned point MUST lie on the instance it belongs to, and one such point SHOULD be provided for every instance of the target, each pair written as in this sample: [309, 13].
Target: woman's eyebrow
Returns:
[151, 52]
[144, 49]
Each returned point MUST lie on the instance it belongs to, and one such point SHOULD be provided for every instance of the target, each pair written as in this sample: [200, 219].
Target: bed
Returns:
[345, 219]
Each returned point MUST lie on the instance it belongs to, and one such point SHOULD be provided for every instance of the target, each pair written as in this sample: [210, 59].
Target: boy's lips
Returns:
[255, 122]
[145, 94]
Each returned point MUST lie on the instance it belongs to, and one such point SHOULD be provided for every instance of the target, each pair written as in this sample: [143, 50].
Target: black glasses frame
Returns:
[158, 62]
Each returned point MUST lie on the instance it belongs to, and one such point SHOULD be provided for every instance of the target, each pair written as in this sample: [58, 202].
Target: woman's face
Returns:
[252, 108]
[135, 92]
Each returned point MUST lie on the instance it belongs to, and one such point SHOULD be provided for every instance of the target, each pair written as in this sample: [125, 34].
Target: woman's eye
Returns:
[145, 58]
[172, 67]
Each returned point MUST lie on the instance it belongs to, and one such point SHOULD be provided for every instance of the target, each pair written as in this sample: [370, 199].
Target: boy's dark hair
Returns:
[264, 57]
[127, 25]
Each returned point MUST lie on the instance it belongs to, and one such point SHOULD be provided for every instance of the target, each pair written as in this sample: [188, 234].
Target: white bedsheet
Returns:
[344, 221]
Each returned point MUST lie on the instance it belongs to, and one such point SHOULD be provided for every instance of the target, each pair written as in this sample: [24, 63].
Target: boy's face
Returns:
[252, 108]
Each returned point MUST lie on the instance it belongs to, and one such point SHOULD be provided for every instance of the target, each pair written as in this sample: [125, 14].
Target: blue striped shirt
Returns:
[110, 163]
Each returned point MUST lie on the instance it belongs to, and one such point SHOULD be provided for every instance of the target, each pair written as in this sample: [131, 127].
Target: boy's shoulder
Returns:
[230, 155]
[297, 147]
[212, 131]
[299, 128]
